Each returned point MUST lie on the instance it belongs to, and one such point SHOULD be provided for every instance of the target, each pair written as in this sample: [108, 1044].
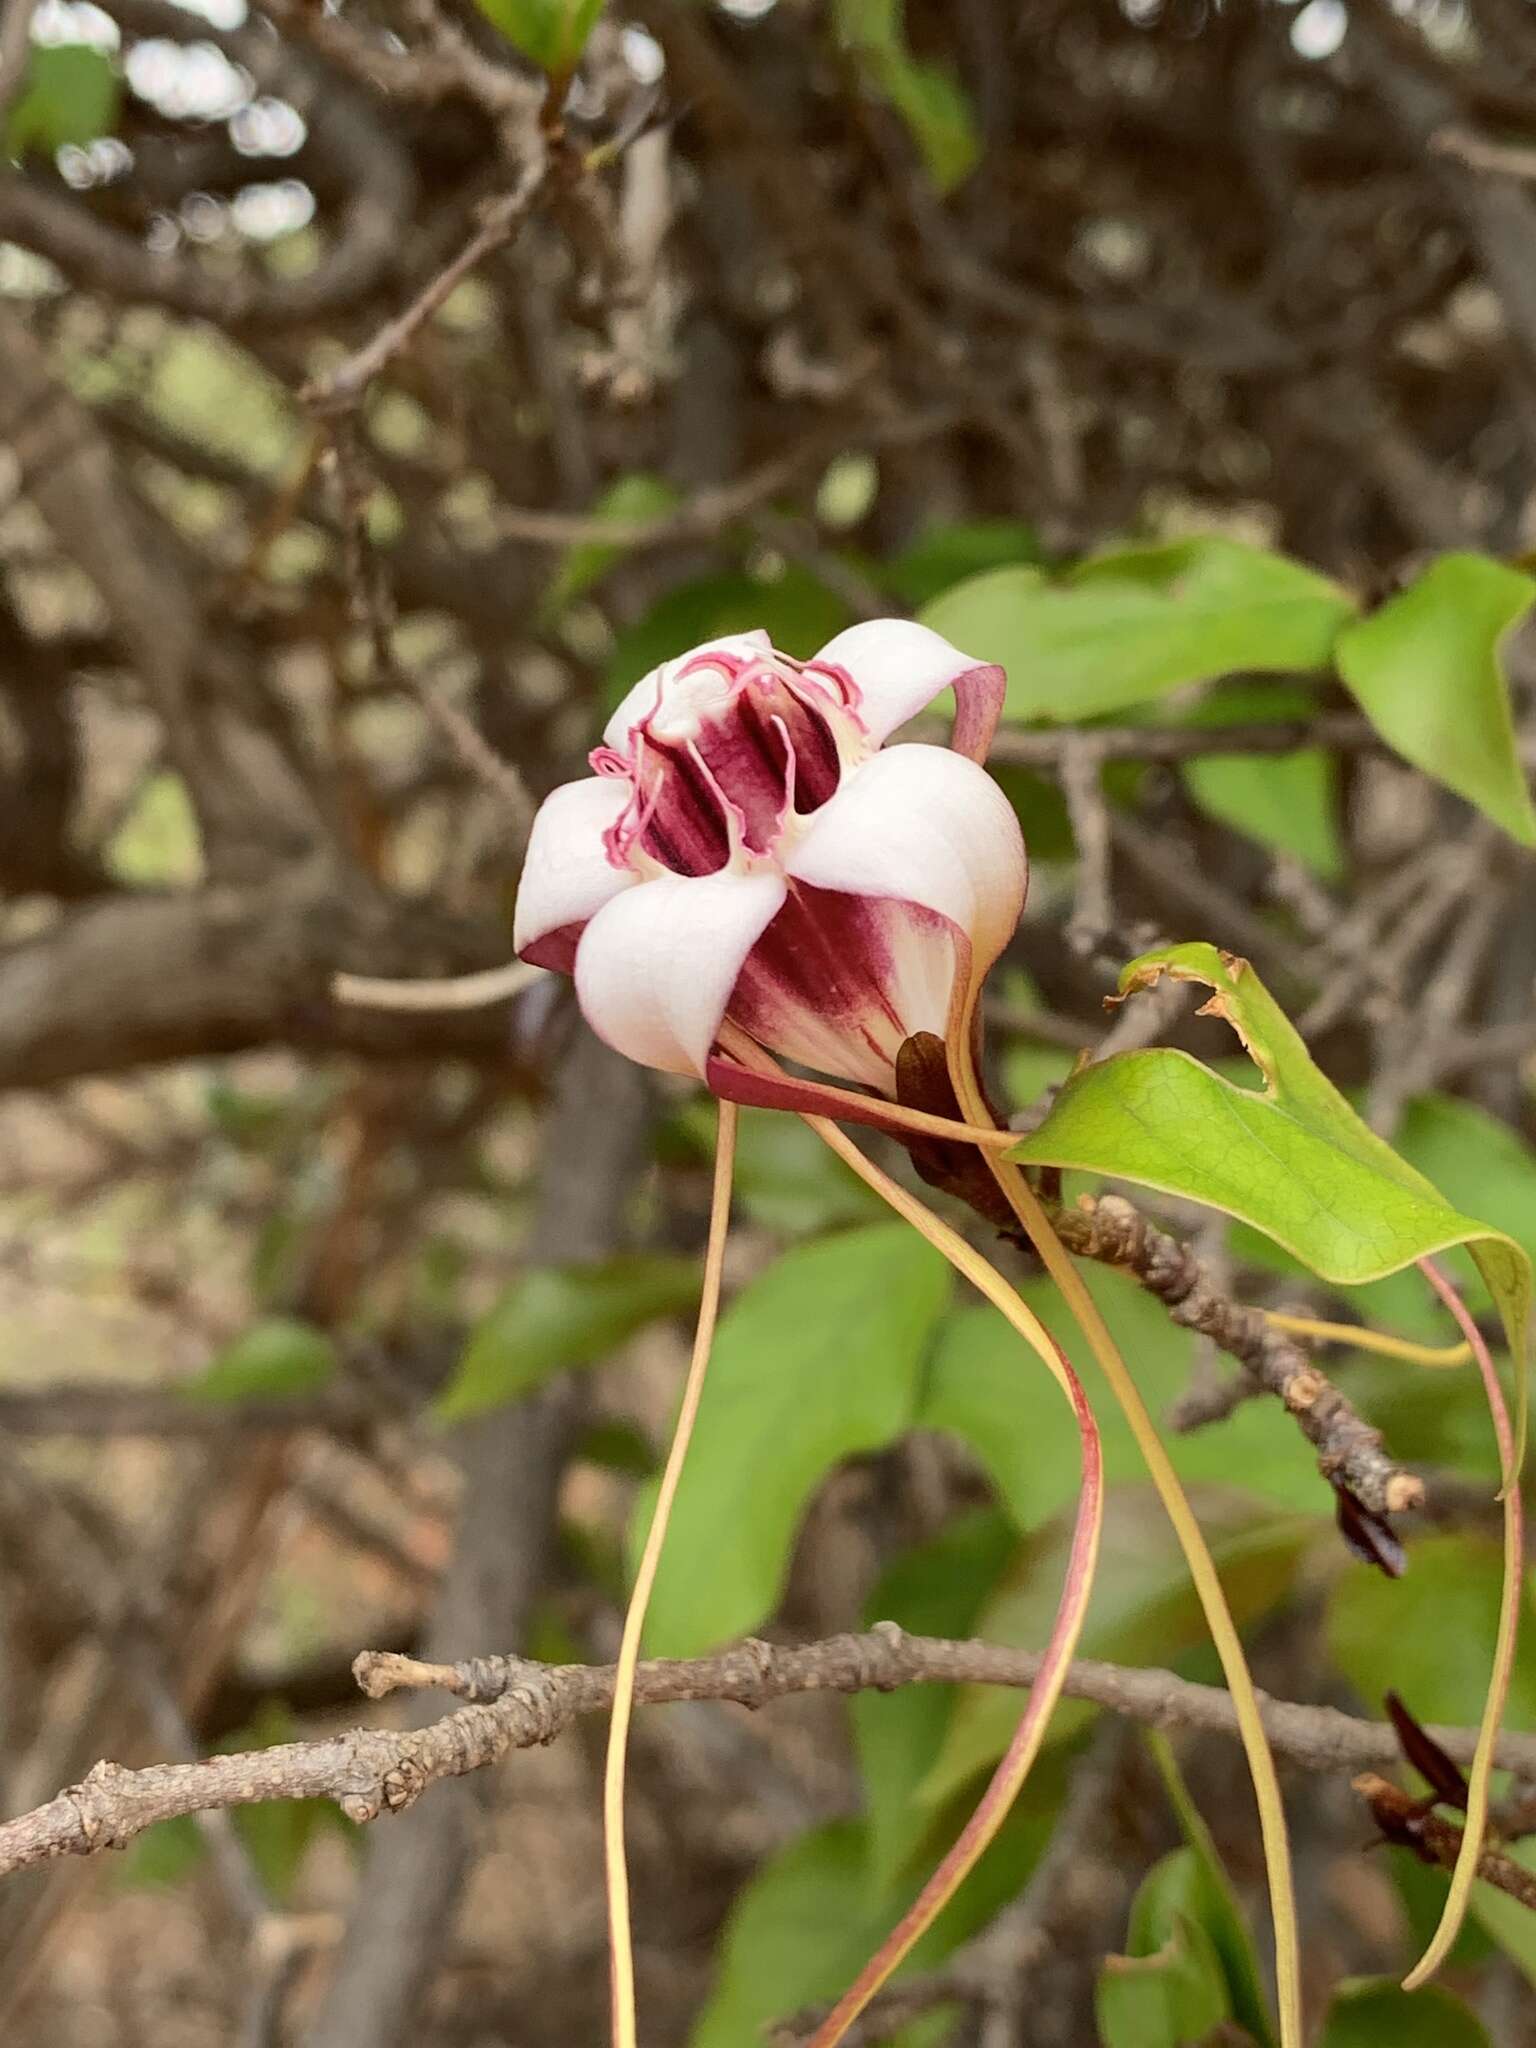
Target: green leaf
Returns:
[946, 554]
[273, 1358]
[927, 98]
[1196, 1887]
[1376, 2012]
[1144, 1608]
[986, 1387]
[1427, 672]
[936, 1590]
[1293, 1159]
[930, 100]
[555, 1317]
[817, 1359]
[165, 1855]
[807, 1923]
[798, 613]
[157, 843]
[1509, 1923]
[549, 33]
[1437, 1656]
[1170, 1997]
[848, 489]
[71, 94]
[1126, 627]
[635, 496]
[1286, 801]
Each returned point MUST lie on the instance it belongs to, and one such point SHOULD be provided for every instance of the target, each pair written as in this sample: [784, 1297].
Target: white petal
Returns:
[567, 874]
[655, 968]
[926, 826]
[900, 667]
[646, 694]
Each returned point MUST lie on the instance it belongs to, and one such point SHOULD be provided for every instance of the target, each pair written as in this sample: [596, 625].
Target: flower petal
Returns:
[567, 875]
[655, 967]
[840, 981]
[925, 826]
[646, 694]
[900, 667]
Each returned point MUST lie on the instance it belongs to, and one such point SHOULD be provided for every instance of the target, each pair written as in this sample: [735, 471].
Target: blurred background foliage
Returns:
[1177, 354]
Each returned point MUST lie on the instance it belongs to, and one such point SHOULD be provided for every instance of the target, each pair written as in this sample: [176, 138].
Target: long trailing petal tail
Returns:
[1011, 1772]
[1202, 1568]
[616, 1871]
[1465, 1872]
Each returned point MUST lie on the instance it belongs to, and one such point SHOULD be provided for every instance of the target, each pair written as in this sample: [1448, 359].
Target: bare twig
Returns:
[462, 992]
[341, 388]
[1502, 159]
[1082, 772]
[517, 1704]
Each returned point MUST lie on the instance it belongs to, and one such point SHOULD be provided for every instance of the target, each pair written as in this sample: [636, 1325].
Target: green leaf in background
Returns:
[927, 98]
[785, 1178]
[549, 33]
[1144, 1609]
[985, 1386]
[1438, 1655]
[808, 1921]
[1289, 802]
[798, 613]
[273, 1358]
[157, 843]
[1375, 2012]
[554, 1317]
[849, 486]
[817, 1359]
[636, 496]
[935, 1590]
[1169, 1998]
[1196, 1886]
[1042, 811]
[1506, 1921]
[163, 1856]
[946, 554]
[71, 94]
[1030, 1068]
[1294, 1160]
[1427, 672]
[1127, 627]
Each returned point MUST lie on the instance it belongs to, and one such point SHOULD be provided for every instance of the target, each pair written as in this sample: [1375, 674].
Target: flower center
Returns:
[734, 750]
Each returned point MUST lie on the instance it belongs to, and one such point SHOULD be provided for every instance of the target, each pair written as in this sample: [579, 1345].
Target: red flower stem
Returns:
[1007, 1780]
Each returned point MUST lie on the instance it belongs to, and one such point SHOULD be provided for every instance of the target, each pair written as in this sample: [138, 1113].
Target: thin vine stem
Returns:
[615, 1866]
[1360, 1337]
[1018, 1759]
[1027, 1208]
[1465, 1871]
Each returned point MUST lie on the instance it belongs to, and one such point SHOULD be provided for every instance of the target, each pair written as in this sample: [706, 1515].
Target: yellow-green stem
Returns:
[620, 1942]
[1359, 1338]
[1202, 1568]
[1465, 1872]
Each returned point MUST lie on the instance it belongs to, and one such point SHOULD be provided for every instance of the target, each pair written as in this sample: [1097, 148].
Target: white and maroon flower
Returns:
[748, 852]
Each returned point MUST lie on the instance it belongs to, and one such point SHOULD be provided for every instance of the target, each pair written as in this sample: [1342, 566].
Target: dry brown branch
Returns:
[340, 389]
[516, 1704]
[1438, 1840]
[1349, 1450]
